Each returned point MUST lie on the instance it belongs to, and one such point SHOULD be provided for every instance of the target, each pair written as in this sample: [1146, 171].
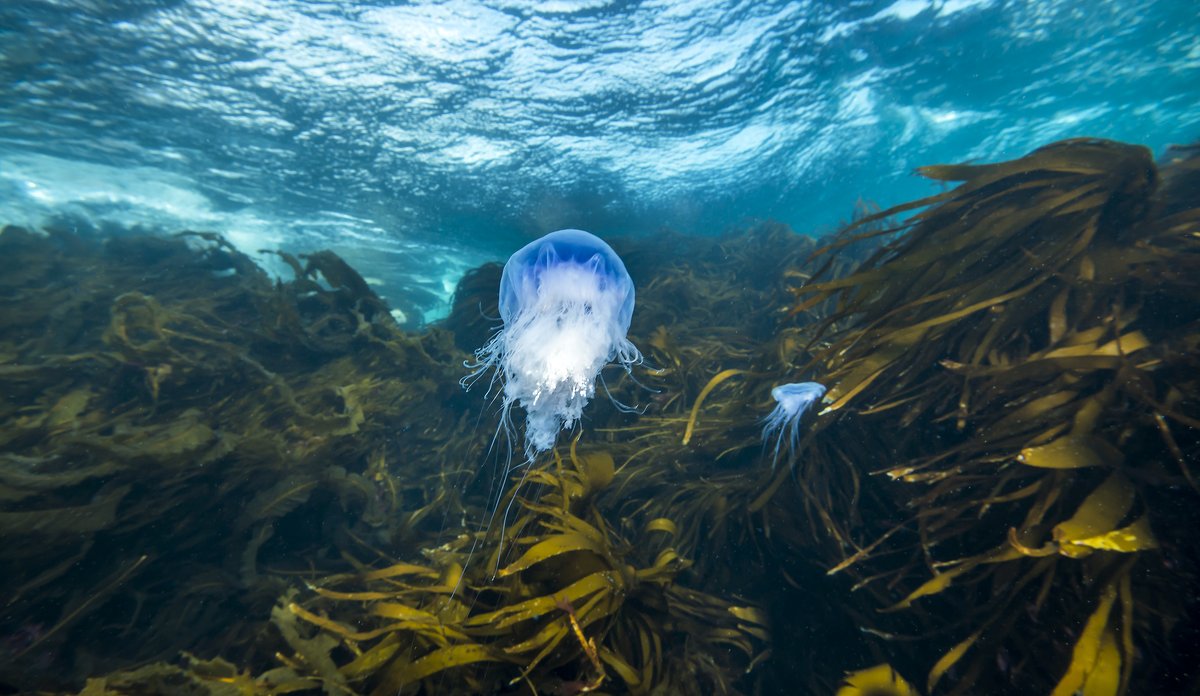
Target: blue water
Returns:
[422, 139]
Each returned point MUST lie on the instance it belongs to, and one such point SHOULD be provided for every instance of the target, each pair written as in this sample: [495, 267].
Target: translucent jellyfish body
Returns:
[791, 403]
[566, 301]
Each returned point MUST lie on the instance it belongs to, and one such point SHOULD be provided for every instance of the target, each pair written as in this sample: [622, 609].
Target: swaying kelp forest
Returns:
[213, 482]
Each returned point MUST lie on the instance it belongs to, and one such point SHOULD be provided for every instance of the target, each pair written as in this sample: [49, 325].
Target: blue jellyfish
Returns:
[791, 402]
[566, 301]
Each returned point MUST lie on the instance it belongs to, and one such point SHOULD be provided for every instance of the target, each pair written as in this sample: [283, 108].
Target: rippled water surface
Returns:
[421, 139]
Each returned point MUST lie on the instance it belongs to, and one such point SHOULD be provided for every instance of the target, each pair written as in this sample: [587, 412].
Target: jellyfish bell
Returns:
[566, 301]
[792, 401]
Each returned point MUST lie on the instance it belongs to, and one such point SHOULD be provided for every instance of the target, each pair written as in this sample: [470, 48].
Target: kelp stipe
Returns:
[792, 401]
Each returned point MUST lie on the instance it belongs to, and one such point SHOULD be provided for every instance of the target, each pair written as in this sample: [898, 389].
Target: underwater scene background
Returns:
[250, 250]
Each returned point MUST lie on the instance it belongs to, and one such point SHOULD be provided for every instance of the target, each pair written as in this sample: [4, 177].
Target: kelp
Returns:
[221, 440]
[1019, 340]
[166, 405]
[273, 476]
[715, 343]
[880, 680]
[576, 609]
[216, 677]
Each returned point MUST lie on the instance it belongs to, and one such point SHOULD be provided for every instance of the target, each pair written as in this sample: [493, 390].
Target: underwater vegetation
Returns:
[578, 609]
[275, 438]
[215, 483]
[1023, 359]
[165, 405]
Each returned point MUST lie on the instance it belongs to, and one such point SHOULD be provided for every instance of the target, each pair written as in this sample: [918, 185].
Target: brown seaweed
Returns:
[166, 405]
[1023, 338]
[573, 610]
[275, 477]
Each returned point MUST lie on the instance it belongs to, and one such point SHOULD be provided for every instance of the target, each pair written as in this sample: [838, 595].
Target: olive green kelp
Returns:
[1007, 462]
[165, 406]
[188, 441]
[577, 609]
[998, 497]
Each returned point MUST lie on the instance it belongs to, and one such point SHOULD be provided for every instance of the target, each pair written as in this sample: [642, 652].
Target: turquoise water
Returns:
[421, 139]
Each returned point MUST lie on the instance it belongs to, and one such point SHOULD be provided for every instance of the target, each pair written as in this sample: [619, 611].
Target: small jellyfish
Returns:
[566, 301]
[791, 402]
